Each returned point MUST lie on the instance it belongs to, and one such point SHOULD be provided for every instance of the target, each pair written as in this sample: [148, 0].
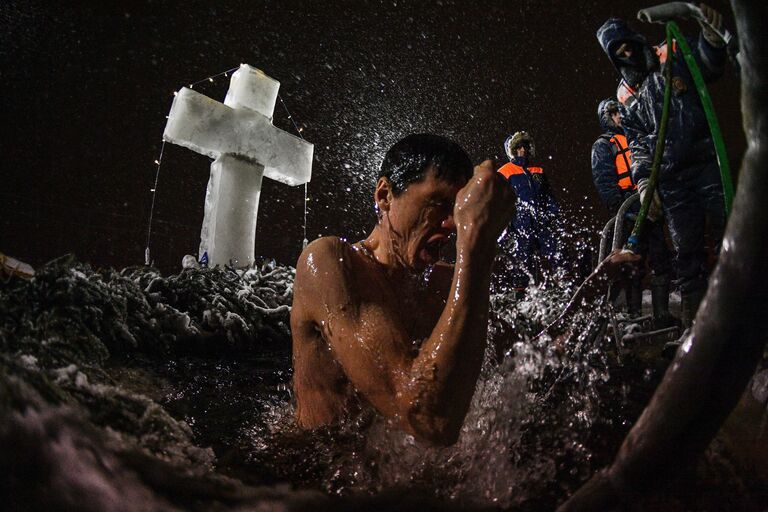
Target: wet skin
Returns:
[366, 333]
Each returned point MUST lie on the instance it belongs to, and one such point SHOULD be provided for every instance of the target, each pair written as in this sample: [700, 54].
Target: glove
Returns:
[630, 216]
[654, 211]
[715, 20]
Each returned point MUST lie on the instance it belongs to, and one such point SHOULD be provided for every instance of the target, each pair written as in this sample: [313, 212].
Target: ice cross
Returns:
[239, 135]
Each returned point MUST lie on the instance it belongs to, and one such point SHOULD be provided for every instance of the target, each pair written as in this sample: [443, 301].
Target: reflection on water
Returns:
[163, 369]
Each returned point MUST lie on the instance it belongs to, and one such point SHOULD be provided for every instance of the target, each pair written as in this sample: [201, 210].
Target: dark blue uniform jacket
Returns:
[604, 168]
[533, 190]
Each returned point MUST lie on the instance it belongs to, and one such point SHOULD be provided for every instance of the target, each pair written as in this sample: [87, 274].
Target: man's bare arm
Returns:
[367, 340]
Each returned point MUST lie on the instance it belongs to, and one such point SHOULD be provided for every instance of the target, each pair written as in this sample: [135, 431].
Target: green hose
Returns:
[674, 33]
[709, 110]
[637, 230]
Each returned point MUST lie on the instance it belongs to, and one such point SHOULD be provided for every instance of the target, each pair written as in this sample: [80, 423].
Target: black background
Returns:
[86, 88]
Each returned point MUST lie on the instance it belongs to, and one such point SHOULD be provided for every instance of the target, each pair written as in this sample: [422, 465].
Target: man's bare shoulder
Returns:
[319, 282]
[327, 269]
[325, 243]
[324, 255]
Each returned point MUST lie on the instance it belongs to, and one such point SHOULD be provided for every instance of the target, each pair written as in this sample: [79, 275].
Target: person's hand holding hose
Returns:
[654, 211]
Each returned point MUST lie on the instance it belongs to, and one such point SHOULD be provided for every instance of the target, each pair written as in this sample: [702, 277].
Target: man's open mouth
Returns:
[430, 253]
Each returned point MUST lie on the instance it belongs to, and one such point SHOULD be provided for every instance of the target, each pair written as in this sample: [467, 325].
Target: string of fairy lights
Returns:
[298, 130]
[159, 161]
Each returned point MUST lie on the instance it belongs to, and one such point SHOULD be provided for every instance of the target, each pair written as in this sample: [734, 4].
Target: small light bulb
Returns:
[175, 93]
[151, 190]
[210, 79]
[157, 162]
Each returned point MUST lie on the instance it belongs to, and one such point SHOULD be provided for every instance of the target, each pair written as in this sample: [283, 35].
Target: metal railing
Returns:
[617, 223]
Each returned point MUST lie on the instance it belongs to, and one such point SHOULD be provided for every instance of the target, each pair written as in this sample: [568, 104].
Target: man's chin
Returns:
[426, 258]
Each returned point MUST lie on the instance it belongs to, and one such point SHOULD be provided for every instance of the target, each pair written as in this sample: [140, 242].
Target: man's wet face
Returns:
[612, 109]
[422, 219]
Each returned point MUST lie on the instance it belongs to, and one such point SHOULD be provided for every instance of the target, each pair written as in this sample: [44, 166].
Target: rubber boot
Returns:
[689, 305]
[635, 299]
[670, 348]
[660, 298]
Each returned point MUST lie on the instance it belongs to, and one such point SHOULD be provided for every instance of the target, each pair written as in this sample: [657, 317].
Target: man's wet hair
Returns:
[409, 159]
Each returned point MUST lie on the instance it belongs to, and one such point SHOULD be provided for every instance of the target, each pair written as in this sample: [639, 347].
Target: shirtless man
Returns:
[372, 328]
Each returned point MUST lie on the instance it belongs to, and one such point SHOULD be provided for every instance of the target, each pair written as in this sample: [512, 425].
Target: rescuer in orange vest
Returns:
[611, 174]
[534, 225]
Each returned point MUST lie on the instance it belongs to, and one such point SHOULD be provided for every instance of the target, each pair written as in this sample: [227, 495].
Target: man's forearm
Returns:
[445, 372]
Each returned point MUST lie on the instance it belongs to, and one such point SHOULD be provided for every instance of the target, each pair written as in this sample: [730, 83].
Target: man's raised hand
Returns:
[484, 206]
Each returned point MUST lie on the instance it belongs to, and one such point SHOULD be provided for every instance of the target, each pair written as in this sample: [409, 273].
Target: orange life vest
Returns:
[510, 169]
[623, 162]
[662, 52]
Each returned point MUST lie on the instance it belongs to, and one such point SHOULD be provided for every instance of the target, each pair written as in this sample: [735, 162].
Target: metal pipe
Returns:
[680, 11]
[604, 236]
[618, 230]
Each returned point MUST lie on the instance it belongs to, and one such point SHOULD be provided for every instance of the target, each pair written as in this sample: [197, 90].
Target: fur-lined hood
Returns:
[515, 139]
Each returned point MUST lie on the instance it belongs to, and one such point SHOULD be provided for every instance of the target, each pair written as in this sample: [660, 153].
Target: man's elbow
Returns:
[435, 430]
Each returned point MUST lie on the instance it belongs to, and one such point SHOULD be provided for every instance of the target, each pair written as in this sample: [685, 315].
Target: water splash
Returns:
[146, 372]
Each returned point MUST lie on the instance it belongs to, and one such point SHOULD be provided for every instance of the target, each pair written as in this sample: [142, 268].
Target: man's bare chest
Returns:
[412, 304]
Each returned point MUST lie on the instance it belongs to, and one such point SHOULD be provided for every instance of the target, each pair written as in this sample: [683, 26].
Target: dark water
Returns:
[143, 391]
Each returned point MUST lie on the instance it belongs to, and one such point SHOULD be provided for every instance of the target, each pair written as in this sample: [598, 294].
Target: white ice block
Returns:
[206, 126]
[240, 137]
[251, 88]
[228, 234]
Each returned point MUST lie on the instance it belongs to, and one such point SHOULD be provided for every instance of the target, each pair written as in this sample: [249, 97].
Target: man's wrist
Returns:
[473, 236]
[475, 251]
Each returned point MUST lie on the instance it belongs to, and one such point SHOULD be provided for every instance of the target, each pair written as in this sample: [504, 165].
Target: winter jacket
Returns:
[530, 185]
[604, 171]
[688, 140]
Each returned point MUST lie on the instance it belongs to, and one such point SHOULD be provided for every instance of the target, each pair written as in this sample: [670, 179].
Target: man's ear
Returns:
[383, 195]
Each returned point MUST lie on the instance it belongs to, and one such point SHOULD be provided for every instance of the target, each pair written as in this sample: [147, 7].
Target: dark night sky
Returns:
[86, 89]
